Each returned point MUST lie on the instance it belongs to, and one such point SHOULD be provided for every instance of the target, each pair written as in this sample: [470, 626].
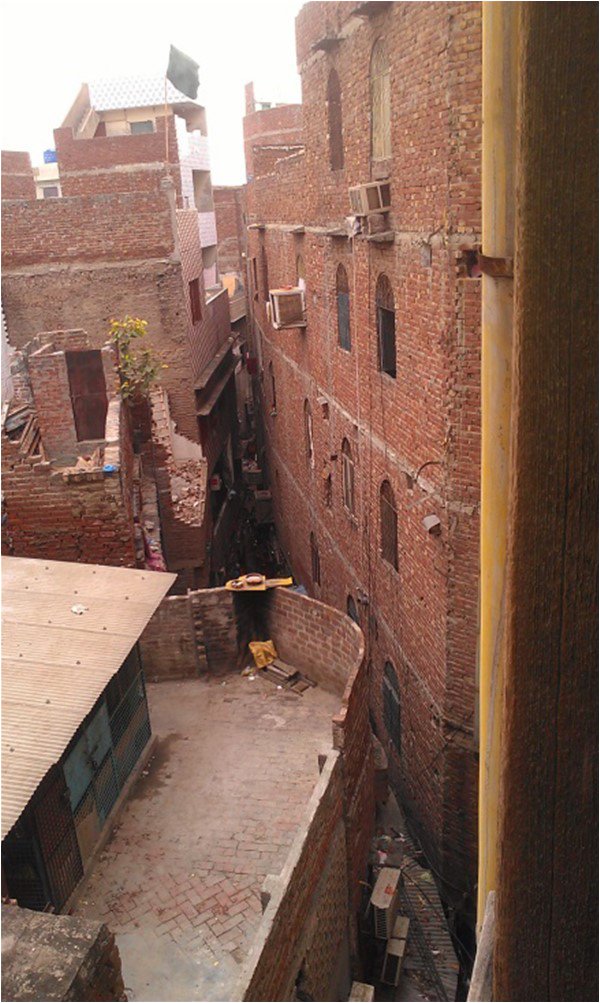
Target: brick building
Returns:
[369, 373]
[230, 213]
[134, 233]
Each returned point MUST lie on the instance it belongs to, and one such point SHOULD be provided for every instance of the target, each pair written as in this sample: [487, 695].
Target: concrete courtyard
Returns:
[215, 811]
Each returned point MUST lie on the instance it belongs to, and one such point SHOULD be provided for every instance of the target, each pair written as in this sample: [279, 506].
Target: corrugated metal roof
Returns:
[56, 662]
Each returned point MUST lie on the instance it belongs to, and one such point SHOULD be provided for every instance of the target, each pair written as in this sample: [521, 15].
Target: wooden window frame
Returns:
[381, 102]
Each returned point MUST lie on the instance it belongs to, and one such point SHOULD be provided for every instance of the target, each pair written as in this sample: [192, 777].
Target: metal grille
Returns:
[23, 867]
[57, 838]
[129, 731]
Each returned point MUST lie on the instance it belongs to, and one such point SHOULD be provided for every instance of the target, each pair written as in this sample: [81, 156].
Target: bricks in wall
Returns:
[421, 618]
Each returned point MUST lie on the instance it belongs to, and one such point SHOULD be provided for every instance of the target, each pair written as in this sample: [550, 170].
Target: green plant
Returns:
[138, 367]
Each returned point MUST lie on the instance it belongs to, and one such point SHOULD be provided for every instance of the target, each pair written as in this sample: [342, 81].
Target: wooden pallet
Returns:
[287, 676]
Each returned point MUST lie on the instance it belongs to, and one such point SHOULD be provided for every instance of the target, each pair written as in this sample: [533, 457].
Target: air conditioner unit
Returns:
[361, 992]
[287, 307]
[394, 952]
[384, 901]
[372, 197]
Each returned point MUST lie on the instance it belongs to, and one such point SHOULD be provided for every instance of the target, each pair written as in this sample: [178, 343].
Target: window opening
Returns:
[381, 119]
[265, 271]
[308, 432]
[347, 477]
[273, 390]
[386, 326]
[315, 560]
[89, 400]
[389, 525]
[343, 308]
[334, 115]
[195, 301]
[391, 705]
[137, 128]
[351, 609]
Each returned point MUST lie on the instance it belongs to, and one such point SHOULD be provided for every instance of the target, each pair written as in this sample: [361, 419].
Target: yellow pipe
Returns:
[500, 51]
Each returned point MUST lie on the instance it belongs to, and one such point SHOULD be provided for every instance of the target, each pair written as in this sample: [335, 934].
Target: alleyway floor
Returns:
[215, 811]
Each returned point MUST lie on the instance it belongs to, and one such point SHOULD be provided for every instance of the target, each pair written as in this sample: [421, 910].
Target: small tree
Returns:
[138, 367]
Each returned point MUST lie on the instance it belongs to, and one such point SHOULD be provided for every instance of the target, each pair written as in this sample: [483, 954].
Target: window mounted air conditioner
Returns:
[361, 992]
[287, 307]
[369, 198]
[384, 901]
[394, 952]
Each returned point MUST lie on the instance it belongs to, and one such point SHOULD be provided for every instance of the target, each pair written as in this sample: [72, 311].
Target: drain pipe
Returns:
[500, 62]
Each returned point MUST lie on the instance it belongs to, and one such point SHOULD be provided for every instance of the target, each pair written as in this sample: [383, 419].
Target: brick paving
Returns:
[179, 882]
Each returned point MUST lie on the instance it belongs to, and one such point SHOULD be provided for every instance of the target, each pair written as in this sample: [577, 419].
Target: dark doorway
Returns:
[87, 384]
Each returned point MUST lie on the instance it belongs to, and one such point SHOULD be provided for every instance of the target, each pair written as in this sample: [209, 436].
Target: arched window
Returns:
[347, 476]
[315, 560]
[386, 326]
[308, 432]
[351, 609]
[343, 307]
[334, 116]
[300, 272]
[391, 704]
[389, 524]
[381, 117]
[273, 390]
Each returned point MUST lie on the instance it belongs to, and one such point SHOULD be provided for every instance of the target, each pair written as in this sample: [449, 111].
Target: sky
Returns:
[50, 48]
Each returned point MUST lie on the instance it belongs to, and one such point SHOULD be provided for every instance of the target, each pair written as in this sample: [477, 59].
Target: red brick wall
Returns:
[306, 923]
[330, 649]
[230, 229]
[168, 643]
[17, 176]
[279, 126]
[82, 261]
[105, 164]
[114, 227]
[49, 515]
[423, 617]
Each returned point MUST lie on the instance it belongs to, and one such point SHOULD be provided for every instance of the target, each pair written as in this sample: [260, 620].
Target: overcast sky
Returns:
[50, 48]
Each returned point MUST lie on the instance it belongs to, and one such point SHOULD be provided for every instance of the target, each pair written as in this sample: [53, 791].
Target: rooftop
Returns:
[179, 883]
[67, 628]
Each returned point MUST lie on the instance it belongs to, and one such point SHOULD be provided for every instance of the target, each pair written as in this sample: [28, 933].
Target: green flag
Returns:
[183, 73]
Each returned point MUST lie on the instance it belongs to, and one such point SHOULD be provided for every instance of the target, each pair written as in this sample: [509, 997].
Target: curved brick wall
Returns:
[315, 638]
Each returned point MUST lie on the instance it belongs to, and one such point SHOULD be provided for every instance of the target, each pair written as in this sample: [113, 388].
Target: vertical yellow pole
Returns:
[499, 136]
